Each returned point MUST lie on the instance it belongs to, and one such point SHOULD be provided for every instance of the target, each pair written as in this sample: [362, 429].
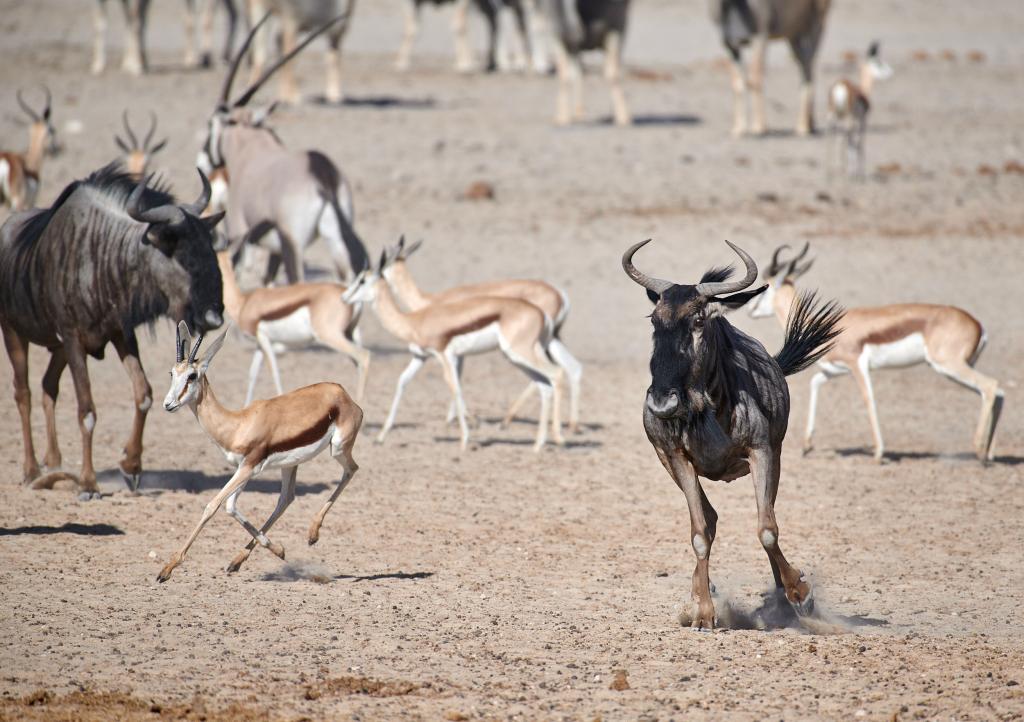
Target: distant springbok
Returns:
[279, 433]
[108, 256]
[137, 155]
[577, 26]
[850, 103]
[947, 338]
[293, 317]
[800, 22]
[19, 172]
[447, 331]
[718, 406]
[554, 302]
[280, 199]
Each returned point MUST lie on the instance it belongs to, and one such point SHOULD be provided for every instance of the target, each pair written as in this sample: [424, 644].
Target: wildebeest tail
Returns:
[810, 332]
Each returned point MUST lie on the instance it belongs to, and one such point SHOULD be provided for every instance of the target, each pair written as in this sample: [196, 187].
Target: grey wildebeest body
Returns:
[718, 405]
[107, 257]
[800, 22]
[281, 199]
[578, 26]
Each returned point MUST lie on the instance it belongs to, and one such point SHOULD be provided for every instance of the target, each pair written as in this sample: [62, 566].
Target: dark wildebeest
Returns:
[718, 405]
[107, 257]
[580, 25]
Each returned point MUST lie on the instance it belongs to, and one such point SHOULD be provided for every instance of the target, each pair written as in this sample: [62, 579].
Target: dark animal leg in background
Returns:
[491, 16]
[17, 352]
[86, 411]
[51, 387]
[128, 351]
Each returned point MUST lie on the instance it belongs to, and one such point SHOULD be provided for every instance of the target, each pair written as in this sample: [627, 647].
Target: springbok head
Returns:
[779, 273]
[235, 112]
[399, 253]
[363, 288]
[137, 155]
[42, 134]
[189, 277]
[687, 333]
[188, 370]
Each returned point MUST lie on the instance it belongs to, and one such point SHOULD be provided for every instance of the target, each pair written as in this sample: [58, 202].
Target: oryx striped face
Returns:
[209, 156]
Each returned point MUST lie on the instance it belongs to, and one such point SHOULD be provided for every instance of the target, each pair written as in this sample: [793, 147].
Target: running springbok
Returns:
[800, 22]
[279, 433]
[448, 331]
[293, 317]
[19, 172]
[580, 26]
[849, 103]
[280, 199]
[552, 301]
[718, 406]
[137, 155]
[947, 338]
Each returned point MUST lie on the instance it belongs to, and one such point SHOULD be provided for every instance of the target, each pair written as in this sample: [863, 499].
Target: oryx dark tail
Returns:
[810, 332]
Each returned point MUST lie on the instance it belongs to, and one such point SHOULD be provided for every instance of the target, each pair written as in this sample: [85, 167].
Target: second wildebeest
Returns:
[105, 258]
[718, 405]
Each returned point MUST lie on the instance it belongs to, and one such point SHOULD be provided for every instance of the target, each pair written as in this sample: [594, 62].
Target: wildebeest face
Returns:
[678, 319]
[194, 253]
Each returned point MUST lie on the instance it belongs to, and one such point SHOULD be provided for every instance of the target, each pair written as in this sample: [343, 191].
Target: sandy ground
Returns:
[499, 583]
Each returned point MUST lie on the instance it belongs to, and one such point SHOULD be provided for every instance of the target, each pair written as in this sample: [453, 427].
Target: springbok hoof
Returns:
[237, 562]
[165, 574]
[276, 549]
[131, 479]
[804, 608]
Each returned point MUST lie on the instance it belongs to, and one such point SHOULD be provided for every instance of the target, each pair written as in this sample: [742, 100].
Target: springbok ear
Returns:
[183, 335]
[213, 219]
[212, 351]
[158, 147]
[737, 300]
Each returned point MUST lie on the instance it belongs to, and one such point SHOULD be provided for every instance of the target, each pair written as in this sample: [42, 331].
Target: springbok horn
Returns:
[160, 214]
[717, 289]
[195, 348]
[46, 108]
[152, 130]
[179, 346]
[774, 267]
[655, 285]
[128, 129]
[225, 91]
[792, 269]
[25, 106]
[203, 200]
[251, 91]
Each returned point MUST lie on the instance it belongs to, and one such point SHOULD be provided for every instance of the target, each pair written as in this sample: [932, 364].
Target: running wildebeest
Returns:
[718, 405]
[105, 258]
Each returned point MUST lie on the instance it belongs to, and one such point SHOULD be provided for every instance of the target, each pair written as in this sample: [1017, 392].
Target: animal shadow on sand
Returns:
[195, 482]
[775, 612]
[66, 528]
[378, 102]
[959, 456]
[655, 120]
[306, 571]
[483, 443]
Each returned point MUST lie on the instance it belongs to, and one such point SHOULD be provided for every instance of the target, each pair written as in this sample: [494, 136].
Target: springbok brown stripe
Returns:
[307, 437]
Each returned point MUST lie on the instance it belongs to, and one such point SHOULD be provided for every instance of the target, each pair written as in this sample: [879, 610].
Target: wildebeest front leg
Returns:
[86, 413]
[703, 521]
[765, 468]
[51, 386]
[17, 352]
[131, 463]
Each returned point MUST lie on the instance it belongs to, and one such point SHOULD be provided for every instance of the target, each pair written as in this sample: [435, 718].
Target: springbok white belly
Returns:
[482, 340]
[292, 331]
[289, 457]
[907, 351]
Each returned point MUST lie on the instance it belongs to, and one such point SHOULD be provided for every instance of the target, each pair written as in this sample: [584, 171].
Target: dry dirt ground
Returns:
[498, 583]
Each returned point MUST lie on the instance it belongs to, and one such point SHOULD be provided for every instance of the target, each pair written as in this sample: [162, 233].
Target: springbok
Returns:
[554, 302]
[447, 331]
[525, 16]
[279, 433]
[19, 172]
[108, 256]
[850, 103]
[137, 155]
[718, 406]
[293, 317]
[280, 199]
[587, 25]
[301, 16]
[947, 338]
[800, 22]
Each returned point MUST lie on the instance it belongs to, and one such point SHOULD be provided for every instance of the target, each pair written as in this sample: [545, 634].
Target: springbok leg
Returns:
[756, 84]
[17, 352]
[613, 74]
[285, 499]
[341, 449]
[864, 382]
[765, 468]
[739, 92]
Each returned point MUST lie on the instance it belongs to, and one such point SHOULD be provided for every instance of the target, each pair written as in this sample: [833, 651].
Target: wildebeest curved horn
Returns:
[716, 289]
[203, 200]
[150, 132]
[195, 348]
[128, 130]
[225, 90]
[251, 90]
[160, 214]
[26, 107]
[774, 267]
[656, 285]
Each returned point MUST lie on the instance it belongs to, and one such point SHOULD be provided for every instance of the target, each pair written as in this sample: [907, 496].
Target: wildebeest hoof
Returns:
[89, 495]
[804, 608]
